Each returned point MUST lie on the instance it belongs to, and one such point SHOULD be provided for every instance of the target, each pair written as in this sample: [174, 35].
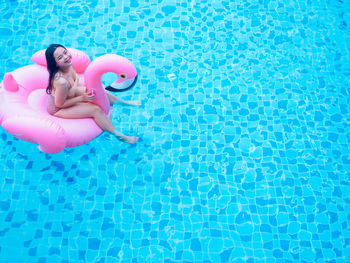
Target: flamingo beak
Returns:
[120, 86]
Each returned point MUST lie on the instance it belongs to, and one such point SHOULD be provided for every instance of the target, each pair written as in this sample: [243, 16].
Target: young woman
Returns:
[69, 99]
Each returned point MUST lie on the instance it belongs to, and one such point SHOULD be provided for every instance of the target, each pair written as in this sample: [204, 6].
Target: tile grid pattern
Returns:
[245, 146]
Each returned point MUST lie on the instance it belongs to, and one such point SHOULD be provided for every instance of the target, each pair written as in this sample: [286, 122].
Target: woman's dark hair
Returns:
[51, 64]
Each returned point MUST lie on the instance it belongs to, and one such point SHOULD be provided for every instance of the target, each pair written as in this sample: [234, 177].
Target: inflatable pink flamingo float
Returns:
[23, 100]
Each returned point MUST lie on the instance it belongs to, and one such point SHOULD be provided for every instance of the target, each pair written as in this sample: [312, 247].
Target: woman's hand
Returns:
[88, 96]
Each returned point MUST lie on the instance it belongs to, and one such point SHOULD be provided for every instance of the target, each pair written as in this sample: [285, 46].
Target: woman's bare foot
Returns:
[128, 139]
[113, 99]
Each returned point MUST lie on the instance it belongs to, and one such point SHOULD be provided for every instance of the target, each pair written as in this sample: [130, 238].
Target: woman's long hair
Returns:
[51, 64]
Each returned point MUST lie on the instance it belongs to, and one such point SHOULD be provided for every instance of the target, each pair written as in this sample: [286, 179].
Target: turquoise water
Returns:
[244, 150]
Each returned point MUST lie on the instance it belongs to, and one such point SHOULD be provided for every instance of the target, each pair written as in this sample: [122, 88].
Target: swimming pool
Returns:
[244, 155]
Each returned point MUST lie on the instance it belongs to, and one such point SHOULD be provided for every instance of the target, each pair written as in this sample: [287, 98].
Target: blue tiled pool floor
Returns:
[244, 127]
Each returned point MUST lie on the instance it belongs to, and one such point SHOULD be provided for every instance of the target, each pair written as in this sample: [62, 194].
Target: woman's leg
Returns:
[89, 110]
[112, 99]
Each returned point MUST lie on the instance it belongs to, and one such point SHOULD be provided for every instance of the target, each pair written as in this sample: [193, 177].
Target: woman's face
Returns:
[62, 57]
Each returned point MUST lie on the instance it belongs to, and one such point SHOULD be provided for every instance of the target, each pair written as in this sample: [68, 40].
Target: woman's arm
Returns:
[70, 102]
[61, 94]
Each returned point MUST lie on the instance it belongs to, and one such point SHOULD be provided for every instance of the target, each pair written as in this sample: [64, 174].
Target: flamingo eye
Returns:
[122, 76]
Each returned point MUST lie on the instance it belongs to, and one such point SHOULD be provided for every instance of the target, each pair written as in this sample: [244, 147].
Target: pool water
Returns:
[244, 127]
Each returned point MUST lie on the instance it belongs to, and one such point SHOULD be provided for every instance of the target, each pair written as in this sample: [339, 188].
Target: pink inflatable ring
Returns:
[23, 100]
